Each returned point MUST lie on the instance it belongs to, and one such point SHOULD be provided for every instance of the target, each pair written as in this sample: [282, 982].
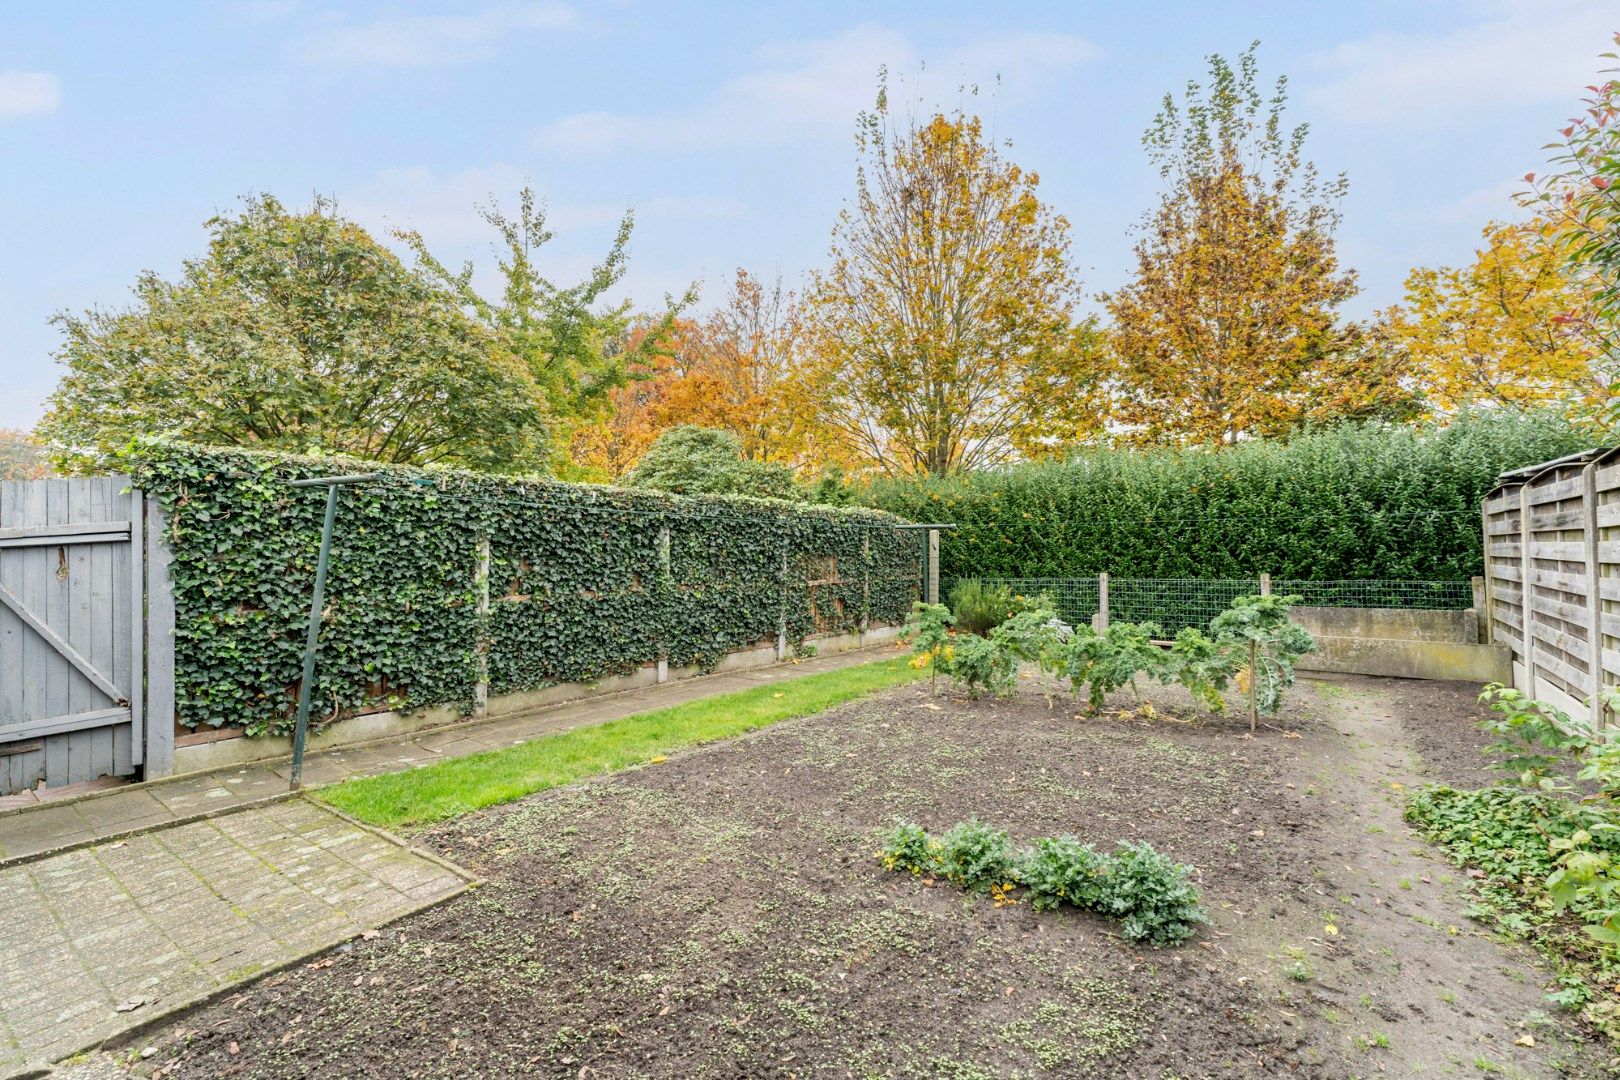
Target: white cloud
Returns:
[1495, 202]
[1517, 52]
[431, 40]
[444, 208]
[813, 89]
[29, 93]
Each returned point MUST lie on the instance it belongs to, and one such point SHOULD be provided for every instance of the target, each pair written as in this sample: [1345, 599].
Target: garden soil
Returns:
[723, 914]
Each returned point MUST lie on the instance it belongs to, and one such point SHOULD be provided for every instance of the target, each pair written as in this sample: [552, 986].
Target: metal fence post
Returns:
[312, 641]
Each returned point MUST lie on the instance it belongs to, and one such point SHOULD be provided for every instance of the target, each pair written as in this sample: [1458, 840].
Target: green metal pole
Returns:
[306, 685]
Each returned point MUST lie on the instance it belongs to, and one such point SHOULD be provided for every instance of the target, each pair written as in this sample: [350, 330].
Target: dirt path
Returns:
[722, 915]
[1391, 974]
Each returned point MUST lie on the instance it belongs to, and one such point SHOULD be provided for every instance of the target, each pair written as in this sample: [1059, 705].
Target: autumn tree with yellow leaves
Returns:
[942, 335]
[1505, 330]
[1230, 327]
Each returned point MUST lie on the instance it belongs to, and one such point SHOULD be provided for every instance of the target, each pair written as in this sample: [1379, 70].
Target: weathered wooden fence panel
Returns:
[73, 643]
[1552, 572]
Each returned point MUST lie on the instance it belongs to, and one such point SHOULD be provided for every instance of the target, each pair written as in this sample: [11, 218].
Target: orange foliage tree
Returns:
[737, 370]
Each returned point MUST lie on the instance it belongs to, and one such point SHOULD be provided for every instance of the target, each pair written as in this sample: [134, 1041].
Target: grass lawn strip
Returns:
[458, 786]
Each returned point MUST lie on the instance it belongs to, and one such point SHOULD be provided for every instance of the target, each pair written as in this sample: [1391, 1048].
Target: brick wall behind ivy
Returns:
[585, 581]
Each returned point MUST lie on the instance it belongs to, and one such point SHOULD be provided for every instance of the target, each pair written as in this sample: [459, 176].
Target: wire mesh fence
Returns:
[1430, 595]
[1176, 603]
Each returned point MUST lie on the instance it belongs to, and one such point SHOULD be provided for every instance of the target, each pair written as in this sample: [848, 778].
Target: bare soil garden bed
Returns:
[722, 914]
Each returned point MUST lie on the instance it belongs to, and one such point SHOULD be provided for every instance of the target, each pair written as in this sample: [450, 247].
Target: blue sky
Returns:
[727, 126]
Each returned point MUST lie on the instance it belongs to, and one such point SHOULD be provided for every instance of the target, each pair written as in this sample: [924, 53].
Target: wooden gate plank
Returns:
[60, 646]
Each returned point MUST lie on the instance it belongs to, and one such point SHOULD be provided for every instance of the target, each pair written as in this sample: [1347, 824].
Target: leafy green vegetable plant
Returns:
[1268, 643]
[1153, 897]
[975, 856]
[1202, 667]
[1062, 869]
[980, 665]
[909, 848]
[1108, 661]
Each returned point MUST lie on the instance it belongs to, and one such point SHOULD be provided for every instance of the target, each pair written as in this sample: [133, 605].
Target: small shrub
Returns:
[976, 856]
[1058, 869]
[1154, 896]
[979, 607]
[908, 847]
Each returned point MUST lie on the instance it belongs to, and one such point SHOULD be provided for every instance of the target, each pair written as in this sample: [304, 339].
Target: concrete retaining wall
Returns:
[1402, 643]
[207, 751]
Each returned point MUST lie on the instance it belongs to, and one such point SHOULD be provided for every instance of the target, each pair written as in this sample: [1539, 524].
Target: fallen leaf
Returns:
[1525, 1040]
[1331, 930]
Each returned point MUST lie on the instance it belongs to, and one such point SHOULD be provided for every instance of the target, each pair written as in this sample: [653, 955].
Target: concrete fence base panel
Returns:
[1401, 643]
[239, 750]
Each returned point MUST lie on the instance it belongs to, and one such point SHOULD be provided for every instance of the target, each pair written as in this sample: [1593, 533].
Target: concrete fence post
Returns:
[664, 573]
[866, 590]
[1481, 611]
[781, 619]
[1099, 622]
[1265, 584]
[933, 566]
[481, 649]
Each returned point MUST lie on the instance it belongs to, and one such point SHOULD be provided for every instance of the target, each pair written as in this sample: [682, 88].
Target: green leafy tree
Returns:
[689, 460]
[577, 344]
[295, 331]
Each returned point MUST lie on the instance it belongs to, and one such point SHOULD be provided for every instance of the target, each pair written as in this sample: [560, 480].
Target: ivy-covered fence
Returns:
[583, 581]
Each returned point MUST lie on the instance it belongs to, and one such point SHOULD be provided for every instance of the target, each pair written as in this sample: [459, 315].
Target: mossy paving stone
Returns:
[722, 915]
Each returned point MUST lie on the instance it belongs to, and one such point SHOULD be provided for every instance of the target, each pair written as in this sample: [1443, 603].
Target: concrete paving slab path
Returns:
[108, 937]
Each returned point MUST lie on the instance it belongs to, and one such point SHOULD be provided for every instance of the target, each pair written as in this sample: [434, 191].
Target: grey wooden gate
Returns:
[74, 636]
